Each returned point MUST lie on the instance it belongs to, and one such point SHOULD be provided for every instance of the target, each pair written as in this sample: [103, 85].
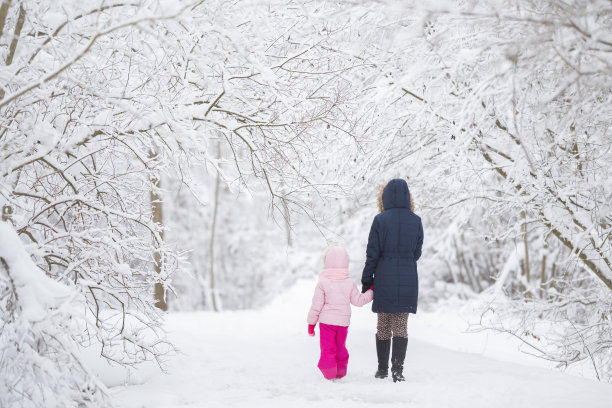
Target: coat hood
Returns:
[336, 262]
[396, 194]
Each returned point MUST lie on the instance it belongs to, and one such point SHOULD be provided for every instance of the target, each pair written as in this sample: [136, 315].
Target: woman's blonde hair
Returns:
[381, 206]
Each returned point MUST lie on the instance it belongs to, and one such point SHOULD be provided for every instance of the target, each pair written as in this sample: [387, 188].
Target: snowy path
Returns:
[265, 358]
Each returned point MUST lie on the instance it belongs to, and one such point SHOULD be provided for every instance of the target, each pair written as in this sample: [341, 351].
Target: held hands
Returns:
[311, 331]
[365, 286]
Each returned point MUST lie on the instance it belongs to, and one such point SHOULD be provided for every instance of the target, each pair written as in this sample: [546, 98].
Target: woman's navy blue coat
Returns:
[394, 246]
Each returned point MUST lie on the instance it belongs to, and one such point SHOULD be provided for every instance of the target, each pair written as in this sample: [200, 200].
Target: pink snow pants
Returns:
[334, 355]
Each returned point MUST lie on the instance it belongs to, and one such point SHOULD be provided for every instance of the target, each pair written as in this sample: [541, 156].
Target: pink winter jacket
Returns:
[335, 291]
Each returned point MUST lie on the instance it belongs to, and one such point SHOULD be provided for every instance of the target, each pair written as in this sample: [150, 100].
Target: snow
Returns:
[54, 19]
[36, 291]
[265, 358]
[170, 7]
[310, 117]
[124, 269]
[111, 374]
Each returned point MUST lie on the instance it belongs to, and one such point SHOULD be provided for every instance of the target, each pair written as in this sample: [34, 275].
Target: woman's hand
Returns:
[365, 286]
[311, 331]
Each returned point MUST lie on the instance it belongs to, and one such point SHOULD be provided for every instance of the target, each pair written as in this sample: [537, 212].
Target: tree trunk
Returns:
[156, 210]
[543, 286]
[15, 40]
[16, 35]
[212, 236]
[287, 223]
[544, 283]
[7, 213]
[459, 265]
[526, 245]
[4, 7]
[553, 271]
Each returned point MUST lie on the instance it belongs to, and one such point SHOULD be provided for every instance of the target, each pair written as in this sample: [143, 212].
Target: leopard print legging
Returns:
[389, 324]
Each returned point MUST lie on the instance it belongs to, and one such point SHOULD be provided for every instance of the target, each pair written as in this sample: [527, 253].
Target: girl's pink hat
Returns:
[336, 262]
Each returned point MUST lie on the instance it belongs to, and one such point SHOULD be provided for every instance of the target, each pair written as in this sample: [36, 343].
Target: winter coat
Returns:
[335, 291]
[394, 246]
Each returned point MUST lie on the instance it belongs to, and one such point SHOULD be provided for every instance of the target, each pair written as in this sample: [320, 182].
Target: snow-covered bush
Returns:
[81, 148]
[39, 362]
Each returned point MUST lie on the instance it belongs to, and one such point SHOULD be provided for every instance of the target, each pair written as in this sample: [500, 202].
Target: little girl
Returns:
[331, 307]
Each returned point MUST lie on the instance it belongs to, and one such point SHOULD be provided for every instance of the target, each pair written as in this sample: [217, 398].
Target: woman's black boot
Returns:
[382, 351]
[397, 358]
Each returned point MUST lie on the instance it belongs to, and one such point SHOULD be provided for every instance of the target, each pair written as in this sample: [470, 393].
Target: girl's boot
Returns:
[382, 350]
[397, 358]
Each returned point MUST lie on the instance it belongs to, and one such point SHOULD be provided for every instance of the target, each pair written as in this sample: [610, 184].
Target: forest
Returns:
[164, 157]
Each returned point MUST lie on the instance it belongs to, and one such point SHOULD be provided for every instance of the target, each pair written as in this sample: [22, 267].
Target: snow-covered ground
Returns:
[265, 358]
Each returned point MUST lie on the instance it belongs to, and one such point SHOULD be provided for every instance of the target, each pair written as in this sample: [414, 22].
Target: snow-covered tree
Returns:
[105, 108]
[506, 106]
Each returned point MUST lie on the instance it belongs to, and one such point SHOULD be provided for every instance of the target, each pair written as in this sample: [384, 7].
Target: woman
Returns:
[394, 246]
